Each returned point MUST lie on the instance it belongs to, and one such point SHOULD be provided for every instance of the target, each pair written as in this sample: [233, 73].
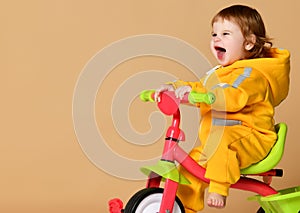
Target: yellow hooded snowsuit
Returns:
[237, 130]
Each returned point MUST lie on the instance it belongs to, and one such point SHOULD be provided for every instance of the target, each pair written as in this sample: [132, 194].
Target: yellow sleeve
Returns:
[252, 90]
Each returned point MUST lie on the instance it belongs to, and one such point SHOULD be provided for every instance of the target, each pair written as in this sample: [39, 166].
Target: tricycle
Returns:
[159, 194]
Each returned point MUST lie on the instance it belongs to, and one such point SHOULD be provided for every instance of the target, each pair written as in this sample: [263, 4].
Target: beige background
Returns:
[44, 47]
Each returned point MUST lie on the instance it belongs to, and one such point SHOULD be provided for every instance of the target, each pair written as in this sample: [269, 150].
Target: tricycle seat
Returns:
[274, 156]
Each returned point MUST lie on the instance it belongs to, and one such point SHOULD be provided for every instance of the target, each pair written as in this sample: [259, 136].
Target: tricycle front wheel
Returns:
[148, 200]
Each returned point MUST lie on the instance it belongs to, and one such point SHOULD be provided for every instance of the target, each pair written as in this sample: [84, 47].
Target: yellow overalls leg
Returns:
[239, 147]
[192, 195]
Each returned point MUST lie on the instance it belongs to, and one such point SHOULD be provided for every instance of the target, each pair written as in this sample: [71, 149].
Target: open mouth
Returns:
[220, 52]
[220, 49]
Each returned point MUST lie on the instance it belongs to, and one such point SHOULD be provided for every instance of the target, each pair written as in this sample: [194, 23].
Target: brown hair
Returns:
[250, 22]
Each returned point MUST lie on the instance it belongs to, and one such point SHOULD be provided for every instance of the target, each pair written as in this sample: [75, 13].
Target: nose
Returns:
[216, 38]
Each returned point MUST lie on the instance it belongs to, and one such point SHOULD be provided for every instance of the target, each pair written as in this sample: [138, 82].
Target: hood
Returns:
[276, 69]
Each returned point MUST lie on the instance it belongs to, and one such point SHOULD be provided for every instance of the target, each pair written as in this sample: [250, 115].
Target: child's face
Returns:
[227, 43]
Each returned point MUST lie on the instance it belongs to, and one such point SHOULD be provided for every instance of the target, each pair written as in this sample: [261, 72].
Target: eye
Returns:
[226, 33]
[214, 34]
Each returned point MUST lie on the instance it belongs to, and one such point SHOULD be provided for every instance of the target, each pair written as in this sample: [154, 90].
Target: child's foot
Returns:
[216, 200]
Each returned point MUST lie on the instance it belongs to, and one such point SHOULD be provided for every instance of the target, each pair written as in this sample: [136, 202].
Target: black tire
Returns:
[260, 210]
[153, 196]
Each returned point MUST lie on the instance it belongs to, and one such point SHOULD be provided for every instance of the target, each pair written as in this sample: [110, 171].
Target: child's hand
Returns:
[162, 88]
[181, 91]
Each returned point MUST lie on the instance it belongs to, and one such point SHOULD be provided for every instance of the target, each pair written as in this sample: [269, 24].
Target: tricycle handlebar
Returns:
[168, 102]
[147, 95]
[193, 97]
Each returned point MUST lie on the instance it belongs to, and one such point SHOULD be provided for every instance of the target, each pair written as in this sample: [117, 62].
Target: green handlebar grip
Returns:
[195, 97]
[146, 95]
